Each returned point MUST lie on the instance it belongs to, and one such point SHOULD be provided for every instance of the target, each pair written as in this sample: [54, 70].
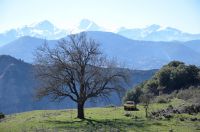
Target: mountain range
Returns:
[18, 85]
[46, 30]
[157, 33]
[133, 53]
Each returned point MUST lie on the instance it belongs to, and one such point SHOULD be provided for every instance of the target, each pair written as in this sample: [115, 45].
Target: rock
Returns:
[167, 116]
[167, 113]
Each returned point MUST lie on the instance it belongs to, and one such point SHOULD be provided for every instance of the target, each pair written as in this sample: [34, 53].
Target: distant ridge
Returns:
[157, 33]
[135, 54]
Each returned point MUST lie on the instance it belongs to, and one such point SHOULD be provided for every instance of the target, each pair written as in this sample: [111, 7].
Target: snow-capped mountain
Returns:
[44, 30]
[87, 25]
[47, 30]
[157, 33]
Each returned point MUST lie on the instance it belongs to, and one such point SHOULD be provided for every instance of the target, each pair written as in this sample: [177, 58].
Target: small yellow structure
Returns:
[130, 106]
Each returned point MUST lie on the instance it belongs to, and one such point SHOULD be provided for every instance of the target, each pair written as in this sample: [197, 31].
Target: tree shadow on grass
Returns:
[63, 122]
[88, 124]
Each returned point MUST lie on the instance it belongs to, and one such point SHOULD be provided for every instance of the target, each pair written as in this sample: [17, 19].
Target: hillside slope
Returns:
[18, 84]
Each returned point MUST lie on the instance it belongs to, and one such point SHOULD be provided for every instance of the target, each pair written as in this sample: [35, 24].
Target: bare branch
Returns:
[76, 68]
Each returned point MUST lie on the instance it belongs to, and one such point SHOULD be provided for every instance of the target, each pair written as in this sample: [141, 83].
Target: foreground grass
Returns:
[97, 119]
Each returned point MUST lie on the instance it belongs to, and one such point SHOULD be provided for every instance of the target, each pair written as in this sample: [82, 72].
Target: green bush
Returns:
[134, 95]
[171, 77]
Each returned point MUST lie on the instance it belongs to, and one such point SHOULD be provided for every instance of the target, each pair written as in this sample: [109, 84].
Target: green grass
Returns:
[98, 119]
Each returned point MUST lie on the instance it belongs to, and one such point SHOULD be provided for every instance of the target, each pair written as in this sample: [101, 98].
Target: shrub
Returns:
[2, 115]
[191, 94]
[162, 99]
[134, 95]
[173, 76]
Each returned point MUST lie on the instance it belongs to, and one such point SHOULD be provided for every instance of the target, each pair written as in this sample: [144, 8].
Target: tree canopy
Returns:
[77, 69]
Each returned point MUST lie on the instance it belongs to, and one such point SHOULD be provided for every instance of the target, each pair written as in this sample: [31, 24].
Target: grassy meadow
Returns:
[109, 119]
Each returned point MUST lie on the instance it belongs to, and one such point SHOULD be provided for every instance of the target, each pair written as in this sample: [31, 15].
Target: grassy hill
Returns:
[100, 119]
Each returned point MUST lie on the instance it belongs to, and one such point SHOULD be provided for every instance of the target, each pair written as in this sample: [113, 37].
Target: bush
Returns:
[2, 115]
[134, 95]
[173, 76]
[191, 94]
[162, 99]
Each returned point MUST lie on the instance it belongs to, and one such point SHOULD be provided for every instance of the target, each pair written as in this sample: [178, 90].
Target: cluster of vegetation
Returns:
[174, 80]
[190, 95]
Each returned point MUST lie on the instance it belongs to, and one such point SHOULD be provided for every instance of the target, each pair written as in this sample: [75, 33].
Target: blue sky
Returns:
[181, 14]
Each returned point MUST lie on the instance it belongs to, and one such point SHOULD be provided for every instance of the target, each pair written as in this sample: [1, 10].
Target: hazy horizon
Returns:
[111, 14]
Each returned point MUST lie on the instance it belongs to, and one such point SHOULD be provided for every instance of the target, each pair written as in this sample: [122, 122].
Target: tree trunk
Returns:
[146, 111]
[80, 111]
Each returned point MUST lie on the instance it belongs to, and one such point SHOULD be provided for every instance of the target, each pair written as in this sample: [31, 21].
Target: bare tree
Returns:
[77, 69]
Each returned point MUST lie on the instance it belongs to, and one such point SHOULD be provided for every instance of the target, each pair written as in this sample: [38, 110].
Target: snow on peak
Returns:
[44, 25]
[88, 25]
[153, 28]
